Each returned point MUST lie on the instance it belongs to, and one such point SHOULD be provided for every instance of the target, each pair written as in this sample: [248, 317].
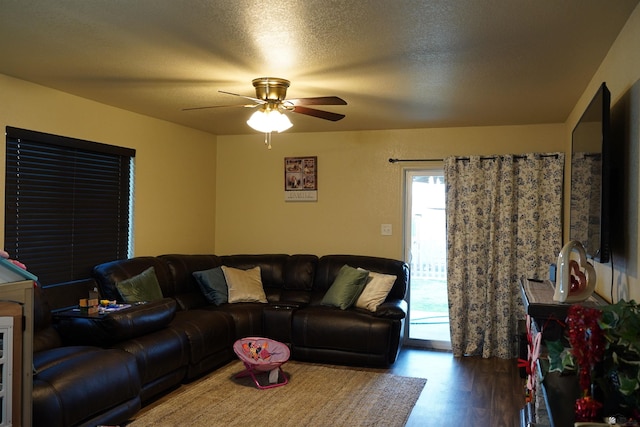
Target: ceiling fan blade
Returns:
[259, 101]
[221, 106]
[318, 100]
[327, 115]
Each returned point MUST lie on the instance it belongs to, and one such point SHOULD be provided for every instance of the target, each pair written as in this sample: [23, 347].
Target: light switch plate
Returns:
[386, 229]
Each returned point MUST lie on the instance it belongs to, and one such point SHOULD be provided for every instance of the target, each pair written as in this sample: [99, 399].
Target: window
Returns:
[67, 204]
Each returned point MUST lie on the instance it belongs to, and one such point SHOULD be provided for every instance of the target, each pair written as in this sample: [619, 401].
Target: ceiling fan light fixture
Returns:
[270, 100]
[267, 121]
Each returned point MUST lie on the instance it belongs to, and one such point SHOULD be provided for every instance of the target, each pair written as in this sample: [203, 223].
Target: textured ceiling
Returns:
[398, 64]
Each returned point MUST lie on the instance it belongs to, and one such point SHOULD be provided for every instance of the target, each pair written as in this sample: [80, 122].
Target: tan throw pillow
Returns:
[376, 291]
[244, 285]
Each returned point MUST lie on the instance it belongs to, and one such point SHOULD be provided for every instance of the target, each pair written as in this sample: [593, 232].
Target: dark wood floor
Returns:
[468, 391]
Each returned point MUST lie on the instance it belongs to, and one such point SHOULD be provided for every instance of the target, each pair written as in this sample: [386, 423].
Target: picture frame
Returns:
[301, 179]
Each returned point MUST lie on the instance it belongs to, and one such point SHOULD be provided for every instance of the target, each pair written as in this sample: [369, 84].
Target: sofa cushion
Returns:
[45, 337]
[143, 287]
[299, 272]
[213, 285]
[185, 288]
[325, 334]
[288, 297]
[247, 318]
[162, 359]
[376, 290]
[75, 386]
[244, 285]
[346, 288]
[210, 334]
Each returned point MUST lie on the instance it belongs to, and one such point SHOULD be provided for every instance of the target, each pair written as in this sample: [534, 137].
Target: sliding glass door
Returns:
[426, 252]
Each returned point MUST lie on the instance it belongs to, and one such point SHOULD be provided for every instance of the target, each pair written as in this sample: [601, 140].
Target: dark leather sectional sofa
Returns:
[101, 370]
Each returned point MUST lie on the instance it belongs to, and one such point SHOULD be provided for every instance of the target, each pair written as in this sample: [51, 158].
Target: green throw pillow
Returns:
[213, 285]
[141, 288]
[346, 288]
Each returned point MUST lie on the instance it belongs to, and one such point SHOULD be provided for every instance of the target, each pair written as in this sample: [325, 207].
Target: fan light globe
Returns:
[269, 121]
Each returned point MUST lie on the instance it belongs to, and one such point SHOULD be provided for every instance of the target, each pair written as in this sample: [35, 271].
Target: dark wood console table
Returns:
[538, 300]
[558, 392]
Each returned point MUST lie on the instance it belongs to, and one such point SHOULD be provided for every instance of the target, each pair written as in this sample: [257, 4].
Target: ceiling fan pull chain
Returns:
[267, 139]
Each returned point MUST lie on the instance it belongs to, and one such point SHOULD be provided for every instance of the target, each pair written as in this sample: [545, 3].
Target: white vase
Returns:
[563, 291]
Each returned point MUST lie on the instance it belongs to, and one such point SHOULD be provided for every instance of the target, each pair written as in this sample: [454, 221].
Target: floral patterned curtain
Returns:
[504, 221]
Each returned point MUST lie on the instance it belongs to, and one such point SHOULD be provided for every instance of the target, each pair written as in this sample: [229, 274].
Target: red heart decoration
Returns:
[578, 278]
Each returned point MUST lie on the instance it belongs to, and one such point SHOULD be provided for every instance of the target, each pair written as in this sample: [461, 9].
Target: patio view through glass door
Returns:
[426, 252]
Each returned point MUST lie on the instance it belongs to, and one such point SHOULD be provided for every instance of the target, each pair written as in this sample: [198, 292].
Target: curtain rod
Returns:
[415, 160]
[466, 158]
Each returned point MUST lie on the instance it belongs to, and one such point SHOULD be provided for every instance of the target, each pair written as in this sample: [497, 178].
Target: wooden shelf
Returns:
[550, 315]
[21, 293]
[539, 304]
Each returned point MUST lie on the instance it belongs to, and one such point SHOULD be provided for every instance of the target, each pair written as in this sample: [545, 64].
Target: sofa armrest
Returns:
[107, 329]
[395, 309]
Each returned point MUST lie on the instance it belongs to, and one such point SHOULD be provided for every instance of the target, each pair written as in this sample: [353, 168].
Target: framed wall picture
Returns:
[301, 179]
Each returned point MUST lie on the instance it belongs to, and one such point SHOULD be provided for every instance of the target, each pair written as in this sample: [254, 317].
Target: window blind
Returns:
[67, 204]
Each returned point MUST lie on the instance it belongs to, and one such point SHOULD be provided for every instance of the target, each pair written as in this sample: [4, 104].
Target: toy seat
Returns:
[261, 355]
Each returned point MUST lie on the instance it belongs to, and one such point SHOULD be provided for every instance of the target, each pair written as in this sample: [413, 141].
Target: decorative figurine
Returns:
[576, 279]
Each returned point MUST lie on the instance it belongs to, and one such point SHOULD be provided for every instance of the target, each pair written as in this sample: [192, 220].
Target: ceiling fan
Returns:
[270, 98]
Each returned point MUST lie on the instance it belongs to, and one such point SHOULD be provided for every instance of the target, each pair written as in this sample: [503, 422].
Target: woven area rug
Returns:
[316, 395]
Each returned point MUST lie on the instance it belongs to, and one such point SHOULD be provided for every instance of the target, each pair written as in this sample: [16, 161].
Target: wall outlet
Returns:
[386, 229]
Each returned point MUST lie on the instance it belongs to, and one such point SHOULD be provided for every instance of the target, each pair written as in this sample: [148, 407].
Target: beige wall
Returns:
[621, 71]
[192, 199]
[175, 166]
[358, 189]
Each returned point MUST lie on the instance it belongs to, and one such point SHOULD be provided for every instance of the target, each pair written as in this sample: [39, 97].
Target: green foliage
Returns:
[560, 358]
[620, 324]
[619, 376]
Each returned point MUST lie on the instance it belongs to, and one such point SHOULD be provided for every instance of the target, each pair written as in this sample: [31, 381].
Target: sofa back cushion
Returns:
[186, 289]
[110, 273]
[329, 266]
[45, 337]
[300, 272]
[272, 267]
[285, 278]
